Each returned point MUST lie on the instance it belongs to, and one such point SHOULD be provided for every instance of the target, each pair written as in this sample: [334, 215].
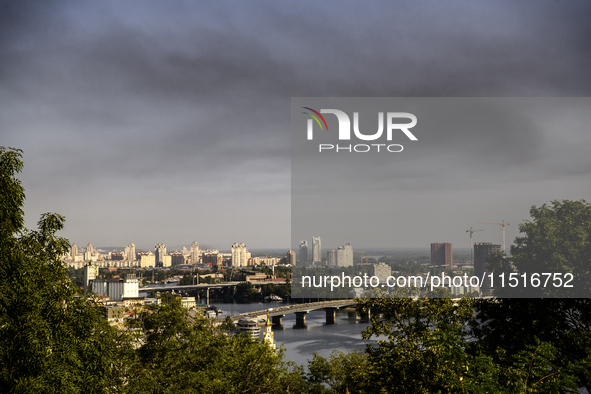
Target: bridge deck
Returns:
[282, 310]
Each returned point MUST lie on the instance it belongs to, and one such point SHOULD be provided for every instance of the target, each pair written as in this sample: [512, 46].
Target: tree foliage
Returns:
[183, 354]
[340, 373]
[55, 340]
[557, 239]
[51, 340]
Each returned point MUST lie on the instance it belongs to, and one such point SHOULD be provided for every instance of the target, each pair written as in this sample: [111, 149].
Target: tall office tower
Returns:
[239, 255]
[316, 250]
[303, 252]
[291, 258]
[159, 253]
[74, 251]
[195, 253]
[482, 250]
[345, 256]
[441, 255]
[89, 251]
[130, 251]
[331, 257]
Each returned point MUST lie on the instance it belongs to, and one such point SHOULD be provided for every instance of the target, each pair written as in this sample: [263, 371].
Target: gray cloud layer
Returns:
[168, 122]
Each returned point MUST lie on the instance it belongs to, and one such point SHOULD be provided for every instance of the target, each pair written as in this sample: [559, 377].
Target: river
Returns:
[301, 343]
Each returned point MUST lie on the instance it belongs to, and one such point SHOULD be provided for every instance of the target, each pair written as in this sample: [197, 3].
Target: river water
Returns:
[318, 337]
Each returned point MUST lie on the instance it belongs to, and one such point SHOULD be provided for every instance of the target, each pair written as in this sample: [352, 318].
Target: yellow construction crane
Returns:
[503, 226]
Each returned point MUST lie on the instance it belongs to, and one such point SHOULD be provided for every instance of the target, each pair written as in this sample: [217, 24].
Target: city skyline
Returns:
[170, 123]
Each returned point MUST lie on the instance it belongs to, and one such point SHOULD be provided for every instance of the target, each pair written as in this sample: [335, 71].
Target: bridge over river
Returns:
[203, 286]
[300, 310]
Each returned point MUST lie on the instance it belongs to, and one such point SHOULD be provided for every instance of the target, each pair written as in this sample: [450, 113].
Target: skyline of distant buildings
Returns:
[343, 256]
[239, 257]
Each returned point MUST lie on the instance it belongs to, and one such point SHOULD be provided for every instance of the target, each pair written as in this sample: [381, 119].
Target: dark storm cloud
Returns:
[197, 95]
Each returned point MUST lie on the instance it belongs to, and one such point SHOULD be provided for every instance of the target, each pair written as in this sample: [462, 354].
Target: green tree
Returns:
[245, 292]
[430, 348]
[340, 373]
[51, 340]
[556, 240]
[183, 354]
[408, 360]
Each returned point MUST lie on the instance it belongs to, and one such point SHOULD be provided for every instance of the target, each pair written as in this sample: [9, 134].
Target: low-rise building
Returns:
[117, 289]
[188, 302]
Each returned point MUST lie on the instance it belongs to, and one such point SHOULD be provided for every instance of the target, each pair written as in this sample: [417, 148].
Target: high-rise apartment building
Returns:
[177, 258]
[209, 258]
[316, 250]
[130, 252]
[166, 261]
[303, 252]
[482, 250]
[147, 259]
[74, 251]
[159, 253]
[291, 258]
[345, 256]
[240, 255]
[89, 252]
[441, 255]
[382, 271]
[116, 256]
[331, 257]
[195, 253]
[90, 274]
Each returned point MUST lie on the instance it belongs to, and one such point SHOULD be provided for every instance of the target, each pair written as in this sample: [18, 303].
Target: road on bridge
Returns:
[282, 310]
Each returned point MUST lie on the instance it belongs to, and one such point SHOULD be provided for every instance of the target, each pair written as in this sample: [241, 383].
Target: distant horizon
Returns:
[257, 250]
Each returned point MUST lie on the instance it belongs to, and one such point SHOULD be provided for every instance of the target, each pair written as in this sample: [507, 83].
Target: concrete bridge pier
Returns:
[365, 316]
[330, 315]
[301, 318]
[277, 319]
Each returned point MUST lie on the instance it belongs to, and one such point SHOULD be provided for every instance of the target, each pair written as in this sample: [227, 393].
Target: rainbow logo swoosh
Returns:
[315, 118]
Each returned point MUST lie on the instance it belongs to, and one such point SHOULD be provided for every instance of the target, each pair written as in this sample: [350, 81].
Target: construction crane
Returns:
[472, 244]
[359, 251]
[503, 226]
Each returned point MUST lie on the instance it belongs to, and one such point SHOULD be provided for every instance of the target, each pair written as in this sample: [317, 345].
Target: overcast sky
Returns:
[169, 122]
